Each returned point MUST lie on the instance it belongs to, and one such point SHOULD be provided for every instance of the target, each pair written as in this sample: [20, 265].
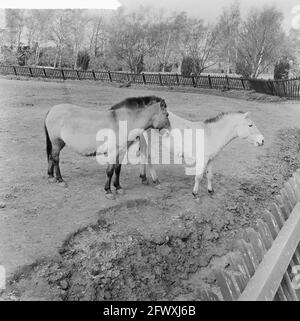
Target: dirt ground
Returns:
[73, 244]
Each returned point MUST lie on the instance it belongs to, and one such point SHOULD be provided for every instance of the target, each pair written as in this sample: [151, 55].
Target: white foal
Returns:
[218, 132]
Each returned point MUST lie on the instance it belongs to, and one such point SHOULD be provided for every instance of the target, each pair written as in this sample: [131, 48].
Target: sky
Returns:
[208, 10]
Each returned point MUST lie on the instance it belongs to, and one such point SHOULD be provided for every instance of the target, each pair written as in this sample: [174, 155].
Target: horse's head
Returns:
[160, 118]
[246, 129]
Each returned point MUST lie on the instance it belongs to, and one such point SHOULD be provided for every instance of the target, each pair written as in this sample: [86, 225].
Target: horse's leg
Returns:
[143, 160]
[49, 156]
[117, 177]
[143, 167]
[154, 176]
[209, 175]
[152, 170]
[50, 168]
[143, 175]
[196, 186]
[57, 146]
[109, 173]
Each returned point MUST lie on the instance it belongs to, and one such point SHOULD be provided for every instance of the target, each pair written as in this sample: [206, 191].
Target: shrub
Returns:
[281, 70]
[83, 60]
[243, 69]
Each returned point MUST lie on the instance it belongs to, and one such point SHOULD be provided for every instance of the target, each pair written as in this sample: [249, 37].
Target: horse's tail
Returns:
[48, 142]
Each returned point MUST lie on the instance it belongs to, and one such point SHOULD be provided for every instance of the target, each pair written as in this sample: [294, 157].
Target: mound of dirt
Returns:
[173, 261]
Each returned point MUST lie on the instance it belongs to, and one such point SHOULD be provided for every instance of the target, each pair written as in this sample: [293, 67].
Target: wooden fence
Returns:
[283, 88]
[266, 263]
[289, 88]
[208, 81]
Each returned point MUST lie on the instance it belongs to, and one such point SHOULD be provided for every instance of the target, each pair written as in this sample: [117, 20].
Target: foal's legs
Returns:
[152, 171]
[154, 176]
[196, 186]
[144, 151]
[143, 167]
[209, 176]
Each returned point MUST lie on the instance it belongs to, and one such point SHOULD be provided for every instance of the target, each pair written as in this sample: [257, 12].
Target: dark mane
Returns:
[220, 116]
[139, 102]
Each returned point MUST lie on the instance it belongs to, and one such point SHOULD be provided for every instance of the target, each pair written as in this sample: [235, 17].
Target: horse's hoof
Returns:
[196, 197]
[158, 186]
[51, 180]
[120, 191]
[110, 196]
[145, 181]
[210, 191]
[62, 183]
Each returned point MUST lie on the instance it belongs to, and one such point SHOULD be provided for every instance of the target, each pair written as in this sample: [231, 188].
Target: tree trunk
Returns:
[37, 55]
[55, 60]
[228, 61]
[60, 58]
[75, 59]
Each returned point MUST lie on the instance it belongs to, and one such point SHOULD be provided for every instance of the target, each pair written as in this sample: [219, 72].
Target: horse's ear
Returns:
[247, 114]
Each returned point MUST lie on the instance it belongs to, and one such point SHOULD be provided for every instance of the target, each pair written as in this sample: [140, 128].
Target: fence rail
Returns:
[289, 88]
[266, 265]
[207, 81]
[283, 88]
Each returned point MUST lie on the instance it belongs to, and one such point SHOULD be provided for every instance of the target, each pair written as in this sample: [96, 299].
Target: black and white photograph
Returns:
[150, 152]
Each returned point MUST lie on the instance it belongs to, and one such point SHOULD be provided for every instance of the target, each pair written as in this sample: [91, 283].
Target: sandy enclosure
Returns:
[148, 243]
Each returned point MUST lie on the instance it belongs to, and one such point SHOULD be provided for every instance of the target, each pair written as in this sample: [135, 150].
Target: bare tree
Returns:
[132, 37]
[78, 21]
[37, 23]
[98, 37]
[261, 39]
[167, 50]
[15, 22]
[199, 43]
[228, 31]
[58, 33]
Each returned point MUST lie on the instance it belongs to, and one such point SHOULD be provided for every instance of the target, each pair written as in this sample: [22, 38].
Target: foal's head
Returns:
[246, 129]
[160, 118]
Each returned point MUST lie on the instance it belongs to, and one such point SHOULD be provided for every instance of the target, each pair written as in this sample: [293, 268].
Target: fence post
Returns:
[77, 73]
[160, 80]
[62, 73]
[242, 81]
[227, 80]
[94, 75]
[15, 70]
[177, 79]
[209, 81]
[30, 71]
[44, 72]
[109, 75]
[275, 92]
[193, 80]
[144, 78]
[284, 89]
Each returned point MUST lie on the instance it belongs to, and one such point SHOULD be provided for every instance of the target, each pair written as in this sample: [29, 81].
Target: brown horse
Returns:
[77, 128]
